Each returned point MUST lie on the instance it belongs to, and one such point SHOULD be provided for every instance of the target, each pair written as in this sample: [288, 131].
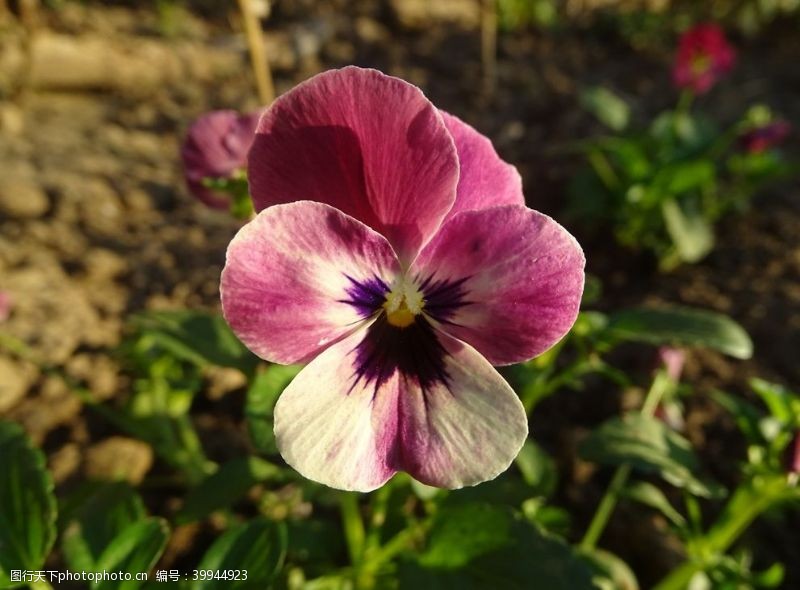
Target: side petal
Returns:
[368, 144]
[299, 277]
[426, 404]
[520, 279]
[485, 180]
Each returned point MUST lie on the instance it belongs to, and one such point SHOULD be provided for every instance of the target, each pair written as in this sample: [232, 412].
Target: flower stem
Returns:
[684, 102]
[353, 527]
[747, 503]
[258, 55]
[661, 384]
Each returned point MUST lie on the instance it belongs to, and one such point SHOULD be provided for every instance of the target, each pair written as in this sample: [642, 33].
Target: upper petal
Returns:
[386, 399]
[300, 276]
[368, 144]
[485, 180]
[513, 281]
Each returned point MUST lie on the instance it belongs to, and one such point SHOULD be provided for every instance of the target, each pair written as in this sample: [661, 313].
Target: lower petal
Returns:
[355, 415]
[464, 431]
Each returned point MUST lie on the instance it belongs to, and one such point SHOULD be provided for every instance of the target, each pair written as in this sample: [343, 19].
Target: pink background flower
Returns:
[704, 56]
[216, 146]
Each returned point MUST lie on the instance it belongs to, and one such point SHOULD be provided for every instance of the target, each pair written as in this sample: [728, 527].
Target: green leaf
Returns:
[27, 505]
[782, 403]
[609, 108]
[104, 514]
[224, 487]
[690, 232]
[257, 547]
[478, 546]
[681, 177]
[198, 337]
[646, 493]
[649, 446]
[265, 388]
[682, 326]
[538, 469]
[611, 573]
[135, 550]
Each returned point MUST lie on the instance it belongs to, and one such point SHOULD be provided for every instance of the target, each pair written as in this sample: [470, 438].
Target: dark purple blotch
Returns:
[414, 351]
[367, 296]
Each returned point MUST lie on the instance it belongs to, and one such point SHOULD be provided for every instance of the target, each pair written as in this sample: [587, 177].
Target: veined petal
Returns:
[485, 180]
[514, 276]
[368, 144]
[373, 404]
[299, 277]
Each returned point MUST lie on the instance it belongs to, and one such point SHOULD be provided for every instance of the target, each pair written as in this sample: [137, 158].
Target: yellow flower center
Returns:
[403, 304]
[700, 63]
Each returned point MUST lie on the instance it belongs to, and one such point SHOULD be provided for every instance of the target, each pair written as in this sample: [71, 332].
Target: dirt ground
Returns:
[95, 222]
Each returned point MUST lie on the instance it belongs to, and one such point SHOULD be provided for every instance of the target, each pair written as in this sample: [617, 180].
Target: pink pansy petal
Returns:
[287, 276]
[368, 144]
[486, 180]
[353, 433]
[519, 276]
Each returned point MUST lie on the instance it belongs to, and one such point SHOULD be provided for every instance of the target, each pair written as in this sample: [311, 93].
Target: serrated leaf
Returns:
[478, 546]
[105, 513]
[27, 505]
[682, 326]
[257, 547]
[646, 493]
[650, 447]
[135, 550]
[262, 394]
[198, 337]
[224, 487]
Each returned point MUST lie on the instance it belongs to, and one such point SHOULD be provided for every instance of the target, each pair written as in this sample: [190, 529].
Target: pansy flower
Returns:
[394, 254]
[704, 56]
[216, 147]
[793, 454]
[760, 139]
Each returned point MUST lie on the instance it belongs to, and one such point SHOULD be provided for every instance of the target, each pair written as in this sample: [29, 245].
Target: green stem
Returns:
[684, 102]
[353, 526]
[40, 585]
[380, 505]
[742, 509]
[603, 168]
[661, 384]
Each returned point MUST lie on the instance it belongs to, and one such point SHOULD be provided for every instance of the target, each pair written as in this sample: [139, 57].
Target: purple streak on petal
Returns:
[366, 296]
[443, 298]
[415, 352]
